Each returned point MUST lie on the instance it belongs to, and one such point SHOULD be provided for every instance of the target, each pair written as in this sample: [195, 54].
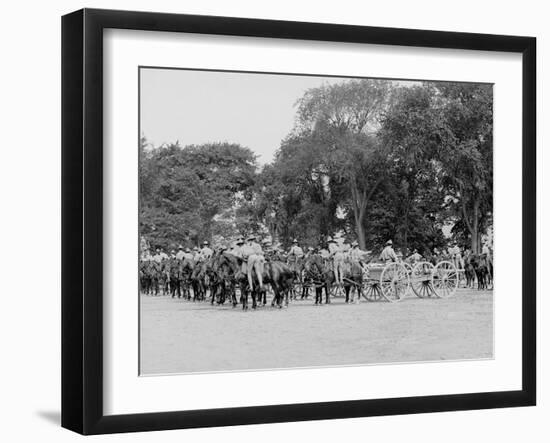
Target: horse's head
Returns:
[314, 263]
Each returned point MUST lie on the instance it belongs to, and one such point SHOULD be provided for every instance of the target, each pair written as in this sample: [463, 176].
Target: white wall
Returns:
[30, 221]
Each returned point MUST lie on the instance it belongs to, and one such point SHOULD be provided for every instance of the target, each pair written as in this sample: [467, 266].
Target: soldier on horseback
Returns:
[295, 252]
[388, 254]
[414, 257]
[254, 255]
[338, 255]
[205, 253]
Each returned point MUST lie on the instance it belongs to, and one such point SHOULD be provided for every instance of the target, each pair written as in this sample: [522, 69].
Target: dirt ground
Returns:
[181, 336]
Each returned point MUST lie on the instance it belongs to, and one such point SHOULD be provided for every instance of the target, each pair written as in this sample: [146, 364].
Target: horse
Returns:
[176, 274]
[186, 271]
[225, 268]
[281, 278]
[469, 271]
[296, 265]
[146, 277]
[482, 270]
[353, 280]
[199, 280]
[321, 277]
[156, 272]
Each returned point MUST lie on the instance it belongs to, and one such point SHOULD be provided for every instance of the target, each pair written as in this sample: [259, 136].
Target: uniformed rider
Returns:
[388, 254]
[253, 254]
[205, 253]
[296, 252]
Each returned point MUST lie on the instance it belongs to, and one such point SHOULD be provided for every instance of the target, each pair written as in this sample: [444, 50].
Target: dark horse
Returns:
[320, 275]
[281, 278]
[481, 267]
[469, 271]
[200, 280]
[353, 280]
[225, 272]
[297, 266]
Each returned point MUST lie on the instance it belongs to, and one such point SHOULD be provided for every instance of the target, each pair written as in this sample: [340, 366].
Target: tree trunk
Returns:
[359, 203]
[474, 228]
[359, 218]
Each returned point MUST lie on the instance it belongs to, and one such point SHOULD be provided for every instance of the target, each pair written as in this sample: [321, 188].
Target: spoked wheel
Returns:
[372, 290]
[394, 282]
[422, 279]
[445, 279]
[409, 269]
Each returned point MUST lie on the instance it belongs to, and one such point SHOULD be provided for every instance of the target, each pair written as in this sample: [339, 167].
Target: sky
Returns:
[194, 107]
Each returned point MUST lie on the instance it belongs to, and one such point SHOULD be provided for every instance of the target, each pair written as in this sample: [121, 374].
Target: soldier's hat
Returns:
[180, 247]
[195, 248]
[187, 250]
[173, 251]
[389, 242]
[310, 249]
[251, 237]
[354, 243]
[158, 249]
[294, 241]
[331, 240]
[239, 241]
[205, 242]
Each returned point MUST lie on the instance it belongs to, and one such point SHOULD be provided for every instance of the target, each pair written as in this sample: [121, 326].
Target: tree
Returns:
[341, 119]
[468, 162]
[185, 190]
[441, 139]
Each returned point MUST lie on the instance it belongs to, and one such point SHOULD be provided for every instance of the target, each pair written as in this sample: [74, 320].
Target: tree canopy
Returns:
[374, 159]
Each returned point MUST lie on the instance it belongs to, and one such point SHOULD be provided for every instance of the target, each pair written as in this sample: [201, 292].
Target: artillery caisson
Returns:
[393, 281]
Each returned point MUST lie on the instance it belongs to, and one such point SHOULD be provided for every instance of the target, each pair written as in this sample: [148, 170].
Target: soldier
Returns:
[172, 254]
[310, 252]
[332, 246]
[180, 255]
[355, 254]
[196, 253]
[339, 261]
[187, 255]
[295, 252]
[205, 253]
[414, 257]
[157, 257]
[236, 249]
[388, 254]
[254, 255]
[268, 248]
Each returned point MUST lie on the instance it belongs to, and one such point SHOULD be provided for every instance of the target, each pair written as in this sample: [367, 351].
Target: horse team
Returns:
[221, 278]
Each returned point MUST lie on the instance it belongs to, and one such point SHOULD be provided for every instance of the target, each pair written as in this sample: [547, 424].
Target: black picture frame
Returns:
[82, 220]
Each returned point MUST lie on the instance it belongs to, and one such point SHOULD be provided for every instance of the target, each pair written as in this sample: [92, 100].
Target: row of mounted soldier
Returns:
[249, 268]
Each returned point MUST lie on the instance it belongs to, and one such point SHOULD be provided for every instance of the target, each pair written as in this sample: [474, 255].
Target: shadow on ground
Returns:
[53, 417]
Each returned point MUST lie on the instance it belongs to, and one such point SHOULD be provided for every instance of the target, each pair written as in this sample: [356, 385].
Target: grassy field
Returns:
[179, 336]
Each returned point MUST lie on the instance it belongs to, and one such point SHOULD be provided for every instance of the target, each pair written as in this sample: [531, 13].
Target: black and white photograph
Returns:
[303, 221]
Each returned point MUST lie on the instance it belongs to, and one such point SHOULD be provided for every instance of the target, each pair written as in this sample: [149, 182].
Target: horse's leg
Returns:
[327, 292]
[254, 294]
[244, 296]
[233, 294]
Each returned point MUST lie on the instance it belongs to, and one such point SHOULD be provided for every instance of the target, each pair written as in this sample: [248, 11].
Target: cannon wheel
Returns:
[394, 282]
[422, 277]
[372, 290]
[445, 279]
